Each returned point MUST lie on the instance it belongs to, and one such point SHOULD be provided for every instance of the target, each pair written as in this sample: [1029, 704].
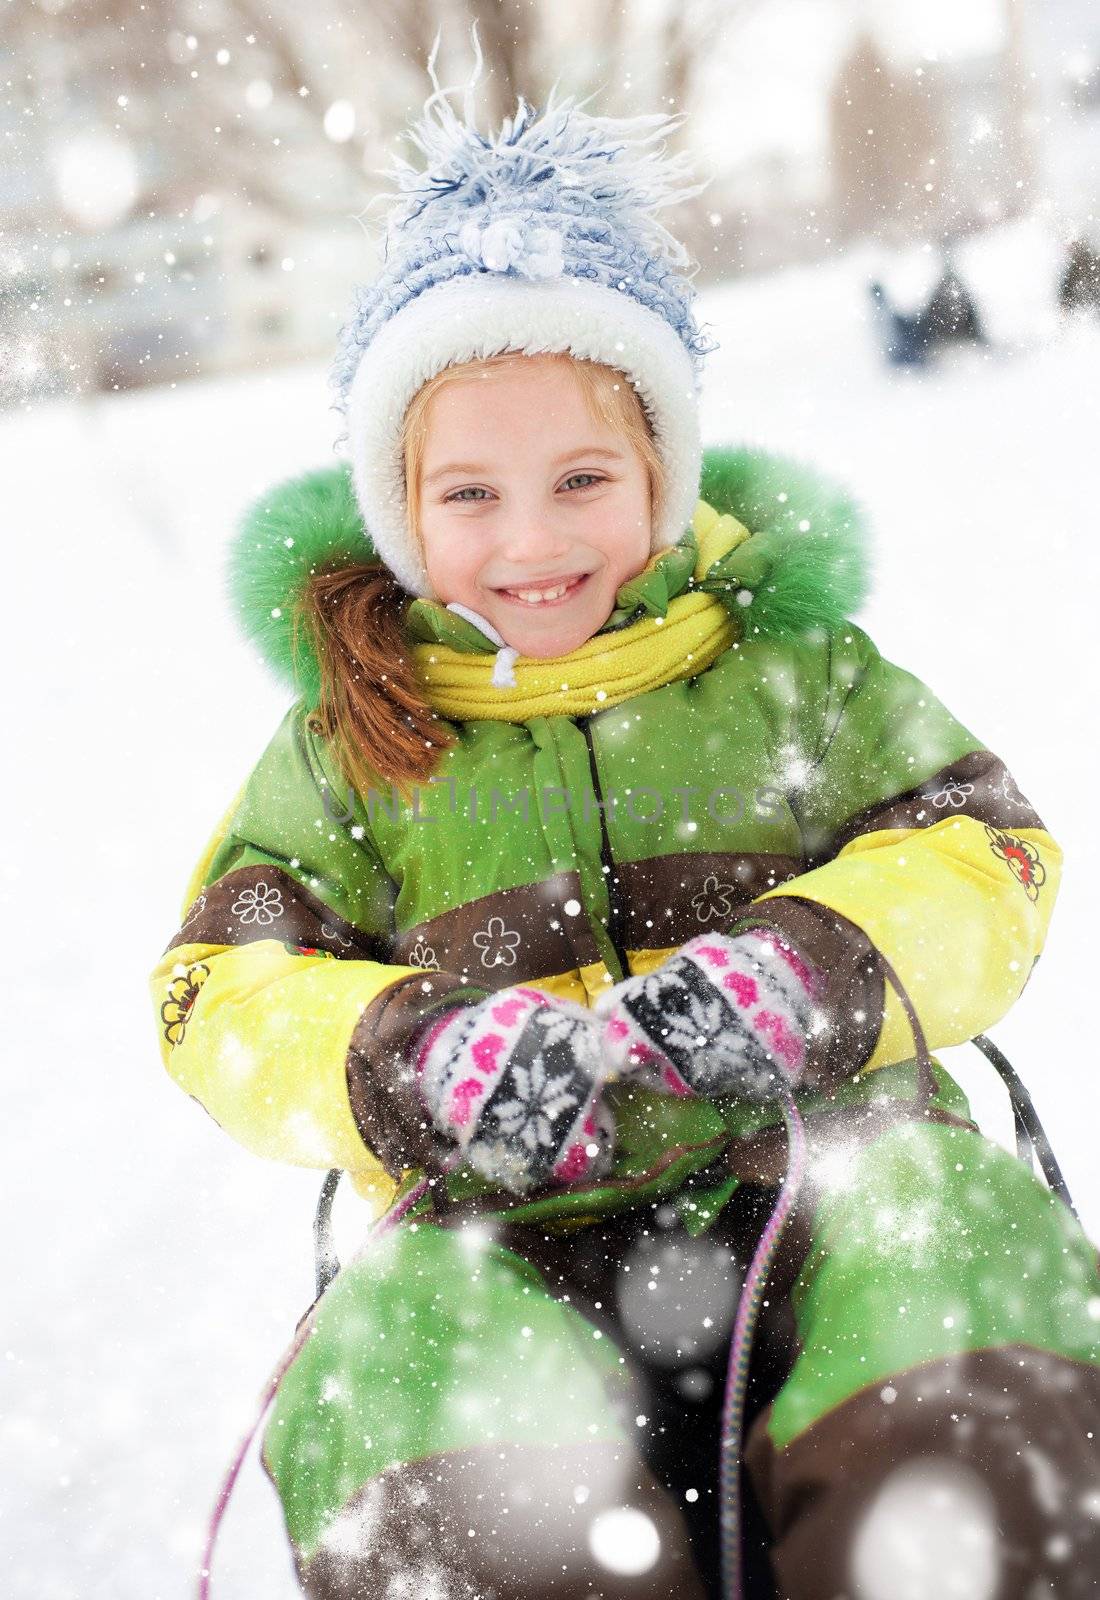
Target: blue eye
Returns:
[594, 477]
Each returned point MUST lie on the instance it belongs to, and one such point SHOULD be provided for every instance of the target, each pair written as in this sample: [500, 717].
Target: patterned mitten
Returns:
[722, 1016]
[514, 1081]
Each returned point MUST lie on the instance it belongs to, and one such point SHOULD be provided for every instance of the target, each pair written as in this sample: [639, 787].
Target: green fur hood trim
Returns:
[806, 565]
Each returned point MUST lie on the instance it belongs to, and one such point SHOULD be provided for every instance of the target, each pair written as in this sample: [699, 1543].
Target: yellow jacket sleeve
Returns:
[920, 846]
[275, 1006]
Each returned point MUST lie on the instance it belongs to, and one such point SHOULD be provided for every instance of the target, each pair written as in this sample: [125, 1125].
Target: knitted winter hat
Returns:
[539, 238]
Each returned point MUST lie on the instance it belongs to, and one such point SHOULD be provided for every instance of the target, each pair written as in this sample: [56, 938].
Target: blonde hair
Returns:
[371, 704]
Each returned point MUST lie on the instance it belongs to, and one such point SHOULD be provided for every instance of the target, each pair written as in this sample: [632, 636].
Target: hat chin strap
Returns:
[504, 666]
[481, 315]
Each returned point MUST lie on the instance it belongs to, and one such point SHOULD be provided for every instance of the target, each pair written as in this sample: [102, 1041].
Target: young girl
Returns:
[594, 828]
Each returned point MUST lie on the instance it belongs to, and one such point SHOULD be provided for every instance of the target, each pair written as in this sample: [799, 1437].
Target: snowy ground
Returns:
[155, 1270]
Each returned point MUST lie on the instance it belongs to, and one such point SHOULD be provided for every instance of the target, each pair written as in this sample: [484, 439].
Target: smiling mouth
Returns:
[537, 598]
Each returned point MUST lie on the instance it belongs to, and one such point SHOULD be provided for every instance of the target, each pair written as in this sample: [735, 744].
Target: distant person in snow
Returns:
[1079, 288]
[950, 316]
[597, 841]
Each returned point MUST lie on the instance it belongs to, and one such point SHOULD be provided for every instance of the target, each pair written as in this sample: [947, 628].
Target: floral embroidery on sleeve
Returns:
[422, 955]
[196, 910]
[182, 993]
[261, 905]
[714, 900]
[953, 793]
[1022, 858]
[497, 944]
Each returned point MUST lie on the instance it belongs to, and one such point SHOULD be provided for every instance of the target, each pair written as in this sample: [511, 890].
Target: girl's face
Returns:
[531, 513]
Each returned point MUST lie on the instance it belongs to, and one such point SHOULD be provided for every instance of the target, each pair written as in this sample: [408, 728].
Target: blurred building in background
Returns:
[901, 132]
[184, 192]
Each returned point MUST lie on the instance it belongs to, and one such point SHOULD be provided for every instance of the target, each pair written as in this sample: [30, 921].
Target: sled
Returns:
[1032, 1145]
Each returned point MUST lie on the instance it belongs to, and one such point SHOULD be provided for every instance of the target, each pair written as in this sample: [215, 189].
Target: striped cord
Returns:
[305, 1327]
[748, 1309]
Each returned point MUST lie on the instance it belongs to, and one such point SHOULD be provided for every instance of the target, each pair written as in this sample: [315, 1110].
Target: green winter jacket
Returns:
[731, 749]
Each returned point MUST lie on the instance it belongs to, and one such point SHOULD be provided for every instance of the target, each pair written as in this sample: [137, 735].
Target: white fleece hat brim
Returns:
[478, 316]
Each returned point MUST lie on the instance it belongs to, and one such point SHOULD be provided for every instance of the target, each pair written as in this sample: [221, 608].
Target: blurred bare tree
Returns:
[294, 106]
[886, 131]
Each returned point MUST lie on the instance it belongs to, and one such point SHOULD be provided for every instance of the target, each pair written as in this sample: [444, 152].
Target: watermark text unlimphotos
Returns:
[727, 805]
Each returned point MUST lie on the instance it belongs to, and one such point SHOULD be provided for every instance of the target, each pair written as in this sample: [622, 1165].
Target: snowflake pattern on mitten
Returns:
[514, 1081]
[722, 1016]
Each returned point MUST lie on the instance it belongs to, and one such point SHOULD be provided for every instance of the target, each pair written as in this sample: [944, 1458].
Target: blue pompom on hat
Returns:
[540, 238]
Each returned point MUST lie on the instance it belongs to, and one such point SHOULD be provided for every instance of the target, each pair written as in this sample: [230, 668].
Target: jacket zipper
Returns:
[613, 932]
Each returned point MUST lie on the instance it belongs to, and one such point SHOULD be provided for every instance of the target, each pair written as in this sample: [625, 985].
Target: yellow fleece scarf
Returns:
[608, 668]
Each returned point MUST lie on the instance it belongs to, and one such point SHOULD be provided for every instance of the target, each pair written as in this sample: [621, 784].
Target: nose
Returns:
[534, 543]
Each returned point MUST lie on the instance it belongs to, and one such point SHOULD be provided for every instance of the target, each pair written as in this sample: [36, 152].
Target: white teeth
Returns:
[536, 596]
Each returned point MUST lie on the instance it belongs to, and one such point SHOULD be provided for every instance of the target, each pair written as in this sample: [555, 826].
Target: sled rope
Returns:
[748, 1308]
[752, 1293]
[389, 1221]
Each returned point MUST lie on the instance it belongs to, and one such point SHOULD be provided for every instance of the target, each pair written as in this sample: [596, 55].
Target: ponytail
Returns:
[371, 706]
